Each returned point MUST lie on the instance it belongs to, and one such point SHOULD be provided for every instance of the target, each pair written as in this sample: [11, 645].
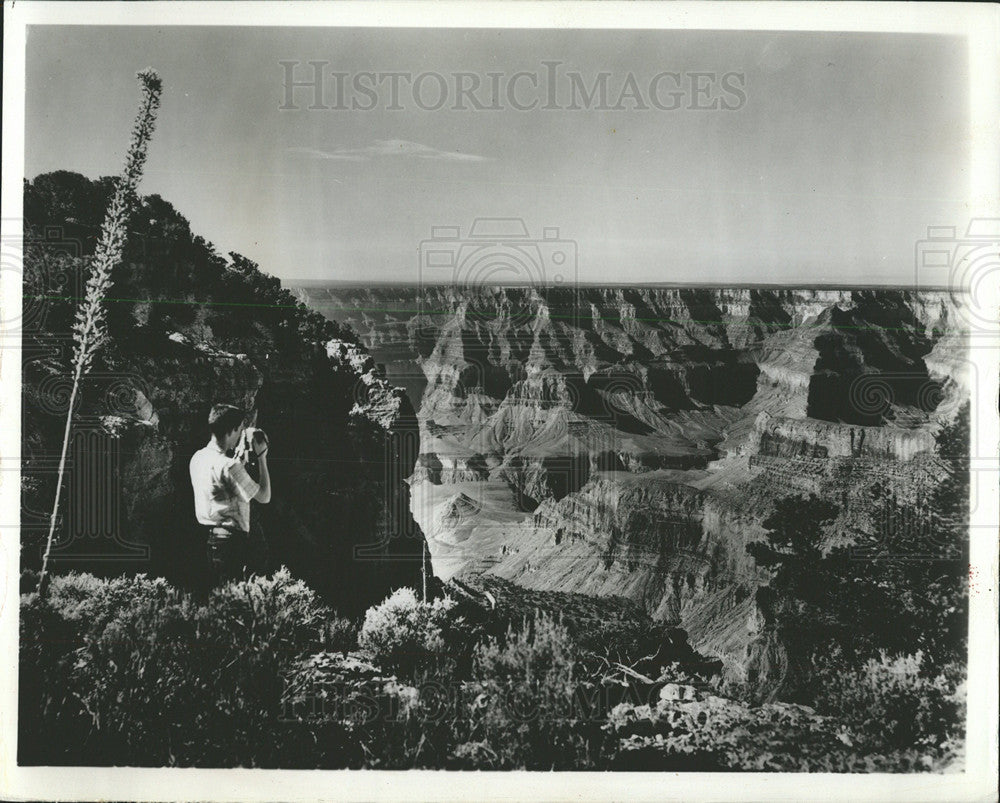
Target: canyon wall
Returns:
[631, 441]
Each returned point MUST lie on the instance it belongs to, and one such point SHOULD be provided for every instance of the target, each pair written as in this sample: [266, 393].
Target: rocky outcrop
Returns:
[156, 423]
[630, 441]
[337, 517]
[791, 437]
[188, 329]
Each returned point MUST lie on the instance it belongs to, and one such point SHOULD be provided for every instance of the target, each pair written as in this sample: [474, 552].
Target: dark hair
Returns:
[224, 418]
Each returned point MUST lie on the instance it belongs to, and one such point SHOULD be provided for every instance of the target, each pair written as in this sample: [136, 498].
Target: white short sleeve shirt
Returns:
[222, 489]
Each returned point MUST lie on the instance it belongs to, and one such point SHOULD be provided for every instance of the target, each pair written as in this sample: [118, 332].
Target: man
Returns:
[223, 490]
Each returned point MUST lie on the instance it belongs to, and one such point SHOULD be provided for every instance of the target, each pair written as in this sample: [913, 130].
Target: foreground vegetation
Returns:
[261, 674]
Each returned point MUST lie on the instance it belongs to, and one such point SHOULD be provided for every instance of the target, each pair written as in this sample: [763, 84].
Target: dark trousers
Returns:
[235, 554]
[228, 554]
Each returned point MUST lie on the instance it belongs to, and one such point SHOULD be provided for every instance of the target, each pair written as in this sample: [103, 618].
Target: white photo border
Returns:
[979, 25]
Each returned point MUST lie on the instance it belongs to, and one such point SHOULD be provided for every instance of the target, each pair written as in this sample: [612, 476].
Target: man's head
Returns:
[226, 424]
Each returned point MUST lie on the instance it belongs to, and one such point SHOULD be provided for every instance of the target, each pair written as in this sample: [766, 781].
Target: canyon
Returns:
[630, 441]
[608, 441]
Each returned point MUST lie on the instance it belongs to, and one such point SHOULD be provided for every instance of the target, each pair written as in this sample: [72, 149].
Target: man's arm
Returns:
[240, 481]
[260, 446]
[264, 494]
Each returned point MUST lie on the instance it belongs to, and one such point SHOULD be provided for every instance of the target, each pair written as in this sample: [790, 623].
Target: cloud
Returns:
[390, 149]
[340, 156]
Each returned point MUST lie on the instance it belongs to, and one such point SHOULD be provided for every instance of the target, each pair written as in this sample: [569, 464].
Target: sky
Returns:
[834, 155]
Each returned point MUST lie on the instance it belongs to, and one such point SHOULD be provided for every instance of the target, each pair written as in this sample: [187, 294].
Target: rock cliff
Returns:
[188, 329]
[630, 441]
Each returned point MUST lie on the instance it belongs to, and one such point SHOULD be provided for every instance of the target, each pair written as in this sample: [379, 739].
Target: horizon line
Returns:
[305, 283]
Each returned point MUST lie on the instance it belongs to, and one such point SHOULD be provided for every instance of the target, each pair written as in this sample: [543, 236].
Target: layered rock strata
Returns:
[630, 441]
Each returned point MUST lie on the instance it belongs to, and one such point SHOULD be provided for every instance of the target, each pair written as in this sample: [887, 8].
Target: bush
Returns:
[605, 630]
[139, 680]
[893, 703]
[526, 706]
[341, 635]
[132, 671]
[250, 633]
[687, 729]
[273, 615]
[90, 602]
[53, 724]
[50, 719]
[355, 715]
[404, 635]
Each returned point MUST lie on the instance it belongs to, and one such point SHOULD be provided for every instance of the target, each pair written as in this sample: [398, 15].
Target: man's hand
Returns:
[260, 443]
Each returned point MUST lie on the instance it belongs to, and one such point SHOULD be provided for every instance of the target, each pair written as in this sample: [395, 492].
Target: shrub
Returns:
[690, 730]
[404, 635]
[355, 715]
[341, 635]
[139, 681]
[53, 725]
[525, 708]
[276, 614]
[132, 671]
[92, 602]
[893, 703]
[885, 717]
[249, 634]
[604, 630]
[50, 720]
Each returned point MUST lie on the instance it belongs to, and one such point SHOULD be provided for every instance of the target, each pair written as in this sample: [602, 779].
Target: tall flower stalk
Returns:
[90, 325]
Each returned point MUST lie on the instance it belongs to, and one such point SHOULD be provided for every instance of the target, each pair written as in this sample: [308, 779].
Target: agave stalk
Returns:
[90, 325]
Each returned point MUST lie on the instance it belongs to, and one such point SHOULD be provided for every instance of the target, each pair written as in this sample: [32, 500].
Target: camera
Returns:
[245, 452]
